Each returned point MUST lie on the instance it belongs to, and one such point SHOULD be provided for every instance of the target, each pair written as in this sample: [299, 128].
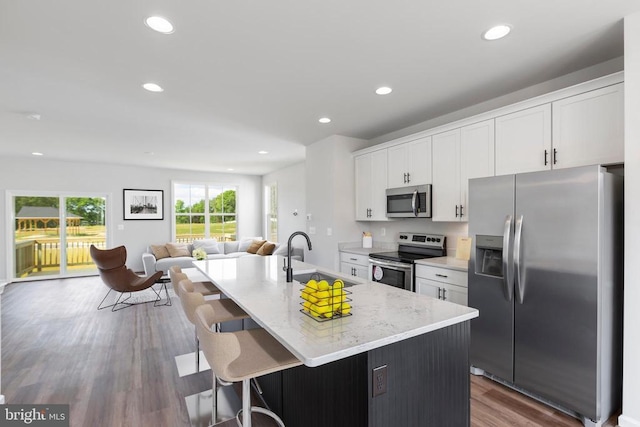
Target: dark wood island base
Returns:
[427, 384]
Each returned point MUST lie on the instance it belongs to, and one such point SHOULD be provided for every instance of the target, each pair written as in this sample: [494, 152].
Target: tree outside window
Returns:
[204, 211]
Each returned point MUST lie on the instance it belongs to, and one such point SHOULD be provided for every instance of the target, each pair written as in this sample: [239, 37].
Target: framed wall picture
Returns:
[143, 204]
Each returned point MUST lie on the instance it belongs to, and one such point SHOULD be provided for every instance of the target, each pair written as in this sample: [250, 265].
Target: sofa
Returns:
[162, 257]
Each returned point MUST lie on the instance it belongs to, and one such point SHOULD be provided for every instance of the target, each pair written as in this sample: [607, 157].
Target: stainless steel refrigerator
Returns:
[546, 275]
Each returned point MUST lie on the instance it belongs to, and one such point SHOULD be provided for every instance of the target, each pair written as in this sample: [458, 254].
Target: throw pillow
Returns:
[266, 249]
[255, 246]
[159, 251]
[177, 249]
[244, 243]
[210, 246]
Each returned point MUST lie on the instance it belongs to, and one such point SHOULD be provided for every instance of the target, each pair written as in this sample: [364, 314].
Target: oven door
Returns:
[398, 274]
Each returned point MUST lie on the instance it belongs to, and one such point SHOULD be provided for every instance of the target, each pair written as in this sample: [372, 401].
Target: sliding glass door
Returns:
[52, 234]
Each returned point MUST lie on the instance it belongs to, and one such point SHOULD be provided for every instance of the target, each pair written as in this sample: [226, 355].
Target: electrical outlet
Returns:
[329, 231]
[383, 231]
[379, 380]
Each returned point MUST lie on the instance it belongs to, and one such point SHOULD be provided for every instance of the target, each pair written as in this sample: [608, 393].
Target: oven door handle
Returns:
[391, 264]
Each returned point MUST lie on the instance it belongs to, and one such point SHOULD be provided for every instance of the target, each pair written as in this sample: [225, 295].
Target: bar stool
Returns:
[204, 288]
[242, 356]
[225, 309]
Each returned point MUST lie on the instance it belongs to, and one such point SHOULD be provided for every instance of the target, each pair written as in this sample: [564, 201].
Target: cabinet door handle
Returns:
[461, 211]
[444, 294]
[408, 177]
[441, 275]
[555, 156]
[353, 259]
[456, 211]
[404, 178]
[439, 293]
[546, 155]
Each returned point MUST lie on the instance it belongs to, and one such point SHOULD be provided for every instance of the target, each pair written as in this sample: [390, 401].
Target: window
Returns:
[204, 211]
[271, 212]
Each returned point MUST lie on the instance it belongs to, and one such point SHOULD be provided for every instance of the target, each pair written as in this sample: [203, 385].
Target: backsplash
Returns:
[391, 229]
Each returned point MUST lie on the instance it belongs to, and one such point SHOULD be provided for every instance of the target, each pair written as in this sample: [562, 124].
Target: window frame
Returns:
[206, 186]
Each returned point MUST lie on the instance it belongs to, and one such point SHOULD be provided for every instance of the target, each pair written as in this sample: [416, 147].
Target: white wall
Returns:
[291, 198]
[330, 188]
[40, 174]
[631, 364]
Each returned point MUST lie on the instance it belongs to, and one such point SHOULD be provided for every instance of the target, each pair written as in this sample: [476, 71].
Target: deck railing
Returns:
[35, 255]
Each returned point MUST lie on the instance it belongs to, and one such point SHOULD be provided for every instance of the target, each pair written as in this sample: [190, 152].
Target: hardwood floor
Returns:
[117, 369]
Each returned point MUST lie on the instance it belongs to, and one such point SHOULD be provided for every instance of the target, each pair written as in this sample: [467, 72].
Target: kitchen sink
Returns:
[305, 277]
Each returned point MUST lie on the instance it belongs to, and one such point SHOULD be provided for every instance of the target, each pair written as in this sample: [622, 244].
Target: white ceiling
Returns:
[242, 76]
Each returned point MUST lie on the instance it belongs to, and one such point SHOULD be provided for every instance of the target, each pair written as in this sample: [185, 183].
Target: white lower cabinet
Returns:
[354, 264]
[442, 283]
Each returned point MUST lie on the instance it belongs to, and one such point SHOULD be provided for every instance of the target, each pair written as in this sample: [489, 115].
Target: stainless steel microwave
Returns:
[409, 202]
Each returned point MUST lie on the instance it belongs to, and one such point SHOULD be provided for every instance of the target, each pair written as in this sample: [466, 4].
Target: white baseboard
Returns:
[625, 421]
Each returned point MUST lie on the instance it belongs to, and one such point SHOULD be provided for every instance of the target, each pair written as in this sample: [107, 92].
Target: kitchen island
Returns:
[399, 359]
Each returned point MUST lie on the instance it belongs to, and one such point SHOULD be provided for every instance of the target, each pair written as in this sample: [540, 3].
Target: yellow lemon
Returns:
[304, 296]
[346, 308]
[328, 314]
[337, 292]
[312, 297]
[320, 309]
[323, 285]
[306, 305]
[323, 294]
[312, 284]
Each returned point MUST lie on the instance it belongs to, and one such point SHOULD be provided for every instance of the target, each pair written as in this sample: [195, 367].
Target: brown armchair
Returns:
[114, 274]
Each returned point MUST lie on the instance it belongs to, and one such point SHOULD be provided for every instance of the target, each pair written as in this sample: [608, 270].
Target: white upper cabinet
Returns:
[445, 194]
[371, 186]
[589, 128]
[477, 158]
[459, 155]
[409, 163]
[523, 141]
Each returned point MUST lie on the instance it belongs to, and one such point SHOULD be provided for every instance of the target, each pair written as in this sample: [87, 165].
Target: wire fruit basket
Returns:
[324, 301]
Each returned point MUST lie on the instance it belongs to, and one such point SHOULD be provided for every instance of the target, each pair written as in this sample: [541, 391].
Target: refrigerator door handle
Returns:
[507, 259]
[517, 261]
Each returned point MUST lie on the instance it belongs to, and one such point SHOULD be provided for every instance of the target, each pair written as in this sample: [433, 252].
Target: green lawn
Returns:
[220, 231]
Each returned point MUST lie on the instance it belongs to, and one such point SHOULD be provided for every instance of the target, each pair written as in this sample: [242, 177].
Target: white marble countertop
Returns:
[445, 262]
[382, 314]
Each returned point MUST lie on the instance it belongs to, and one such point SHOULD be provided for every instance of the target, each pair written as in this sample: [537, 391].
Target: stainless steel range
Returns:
[397, 268]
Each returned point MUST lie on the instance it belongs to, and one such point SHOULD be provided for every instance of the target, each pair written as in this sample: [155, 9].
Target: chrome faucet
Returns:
[288, 267]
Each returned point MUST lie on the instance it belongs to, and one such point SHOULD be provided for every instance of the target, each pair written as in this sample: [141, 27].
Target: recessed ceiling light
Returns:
[149, 153]
[325, 120]
[152, 87]
[384, 90]
[497, 32]
[263, 152]
[34, 116]
[230, 169]
[159, 24]
[36, 153]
